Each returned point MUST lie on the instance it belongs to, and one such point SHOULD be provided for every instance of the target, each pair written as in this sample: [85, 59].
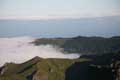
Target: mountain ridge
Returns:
[84, 45]
[86, 68]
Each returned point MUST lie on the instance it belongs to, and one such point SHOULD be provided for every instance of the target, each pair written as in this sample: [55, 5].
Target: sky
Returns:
[69, 18]
[50, 9]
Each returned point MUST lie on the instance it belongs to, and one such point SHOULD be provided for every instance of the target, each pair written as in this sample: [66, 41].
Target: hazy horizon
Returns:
[102, 26]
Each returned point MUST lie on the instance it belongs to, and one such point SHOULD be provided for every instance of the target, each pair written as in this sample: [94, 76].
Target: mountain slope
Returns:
[37, 69]
[88, 67]
[84, 45]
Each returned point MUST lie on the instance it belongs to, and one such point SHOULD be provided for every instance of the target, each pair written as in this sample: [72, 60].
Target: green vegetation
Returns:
[87, 68]
[52, 69]
[12, 77]
[84, 45]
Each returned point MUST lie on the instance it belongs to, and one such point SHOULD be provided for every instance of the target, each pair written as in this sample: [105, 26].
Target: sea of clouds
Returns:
[20, 49]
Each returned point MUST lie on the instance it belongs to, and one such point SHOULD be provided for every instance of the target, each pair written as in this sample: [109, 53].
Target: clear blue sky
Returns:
[44, 9]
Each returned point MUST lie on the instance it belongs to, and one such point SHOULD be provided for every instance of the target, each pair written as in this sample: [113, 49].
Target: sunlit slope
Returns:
[87, 67]
[38, 68]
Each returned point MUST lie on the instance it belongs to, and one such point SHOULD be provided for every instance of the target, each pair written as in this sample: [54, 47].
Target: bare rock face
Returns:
[39, 76]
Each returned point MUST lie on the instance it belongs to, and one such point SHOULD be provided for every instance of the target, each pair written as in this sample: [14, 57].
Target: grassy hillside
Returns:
[37, 68]
[84, 45]
[98, 66]
[88, 67]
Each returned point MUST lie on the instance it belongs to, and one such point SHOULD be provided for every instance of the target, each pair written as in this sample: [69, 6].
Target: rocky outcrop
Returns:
[39, 76]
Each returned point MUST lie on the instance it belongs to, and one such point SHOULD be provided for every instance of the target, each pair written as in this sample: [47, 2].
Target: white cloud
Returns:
[19, 50]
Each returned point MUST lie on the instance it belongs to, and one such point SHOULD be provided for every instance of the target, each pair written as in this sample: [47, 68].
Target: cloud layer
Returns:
[19, 49]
